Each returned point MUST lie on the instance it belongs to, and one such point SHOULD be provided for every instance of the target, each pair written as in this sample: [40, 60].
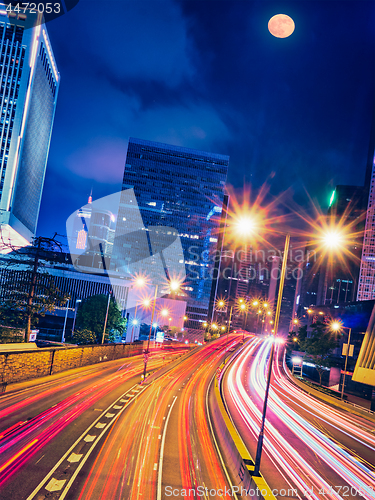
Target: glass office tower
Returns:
[29, 83]
[179, 189]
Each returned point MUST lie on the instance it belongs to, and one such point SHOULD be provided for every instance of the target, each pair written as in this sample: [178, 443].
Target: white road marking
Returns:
[89, 439]
[74, 457]
[99, 425]
[155, 466]
[109, 415]
[39, 459]
[55, 484]
[162, 450]
[117, 407]
[49, 475]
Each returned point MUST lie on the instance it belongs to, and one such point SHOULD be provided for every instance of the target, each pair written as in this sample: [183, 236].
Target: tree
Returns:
[91, 316]
[319, 347]
[84, 336]
[29, 291]
[295, 340]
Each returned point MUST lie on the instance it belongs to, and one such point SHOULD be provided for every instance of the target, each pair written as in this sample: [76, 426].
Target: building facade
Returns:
[182, 191]
[366, 285]
[29, 82]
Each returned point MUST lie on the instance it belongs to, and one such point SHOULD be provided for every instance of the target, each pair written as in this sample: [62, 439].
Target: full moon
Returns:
[281, 26]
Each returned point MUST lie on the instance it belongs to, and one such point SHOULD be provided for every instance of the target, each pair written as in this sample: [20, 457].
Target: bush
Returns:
[10, 335]
[84, 336]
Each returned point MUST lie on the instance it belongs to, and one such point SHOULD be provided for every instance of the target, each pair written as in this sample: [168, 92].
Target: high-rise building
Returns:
[179, 189]
[339, 281]
[366, 286]
[29, 83]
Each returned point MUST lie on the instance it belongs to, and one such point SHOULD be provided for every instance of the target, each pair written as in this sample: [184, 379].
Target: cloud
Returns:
[101, 160]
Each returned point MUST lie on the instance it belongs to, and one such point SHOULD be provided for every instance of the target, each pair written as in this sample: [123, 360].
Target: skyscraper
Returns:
[29, 83]
[178, 188]
[366, 285]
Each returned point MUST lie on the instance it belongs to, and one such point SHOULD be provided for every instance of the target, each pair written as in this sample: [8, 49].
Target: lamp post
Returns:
[134, 322]
[243, 308]
[295, 324]
[174, 287]
[147, 352]
[336, 326]
[277, 317]
[226, 347]
[66, 317]
[106, 316]
[75, 315]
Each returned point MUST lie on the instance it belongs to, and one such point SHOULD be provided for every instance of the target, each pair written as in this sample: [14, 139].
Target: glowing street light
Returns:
[333, 239]
[244, 225]
[337, 326]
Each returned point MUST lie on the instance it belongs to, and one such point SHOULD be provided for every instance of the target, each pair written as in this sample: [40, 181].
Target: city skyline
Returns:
[280, 107]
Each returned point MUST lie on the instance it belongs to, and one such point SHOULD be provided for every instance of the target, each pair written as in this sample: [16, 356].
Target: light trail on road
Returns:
[21, 441]
[309, 458]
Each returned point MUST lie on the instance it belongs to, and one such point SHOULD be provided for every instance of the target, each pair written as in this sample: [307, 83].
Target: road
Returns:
[99, 434]
[38, 422]
[311, 450]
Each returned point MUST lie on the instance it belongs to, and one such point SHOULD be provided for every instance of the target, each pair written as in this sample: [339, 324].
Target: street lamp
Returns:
[174, 286]
[221, 304]
[106, 316]
[75, 315]
[295, 323]
[66, 317]
[277, 318]
[336, 326]
[139, 281]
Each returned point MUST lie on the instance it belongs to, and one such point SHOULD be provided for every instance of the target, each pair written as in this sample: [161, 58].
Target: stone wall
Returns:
[24, 365]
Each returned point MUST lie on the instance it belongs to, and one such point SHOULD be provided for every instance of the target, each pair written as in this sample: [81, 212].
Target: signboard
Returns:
[32, 335]
[345, 350]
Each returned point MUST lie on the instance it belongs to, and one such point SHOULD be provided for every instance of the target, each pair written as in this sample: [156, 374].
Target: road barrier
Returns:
[331, 400]
[237, 456]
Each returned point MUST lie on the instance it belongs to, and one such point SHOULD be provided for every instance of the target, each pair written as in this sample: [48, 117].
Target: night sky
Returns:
[208, 75]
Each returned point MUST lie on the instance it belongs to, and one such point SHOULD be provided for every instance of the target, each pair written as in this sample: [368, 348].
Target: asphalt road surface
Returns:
[311, 450]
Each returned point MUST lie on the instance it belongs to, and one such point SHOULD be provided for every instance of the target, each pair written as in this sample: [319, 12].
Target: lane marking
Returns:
[44, 481]
[89, 439]
[75, 457]
[75, 474]
[160, 472]
[39, 459]
[155, 466]
[55, 484]
[109, 415]
[117, 407]
[99, 425]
